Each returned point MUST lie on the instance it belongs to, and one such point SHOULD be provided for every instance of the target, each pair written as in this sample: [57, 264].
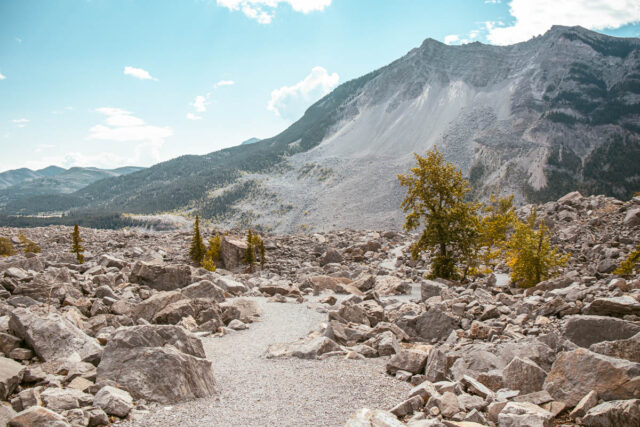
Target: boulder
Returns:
[524, 375]
[408, 407]
[408, 360]
[391, 285]
[521, 414]
[113, 401]
[204, 289]
[430, 288]
[586, 403]
[107, 260]
[632, 218]
[150, 349]
[37, 416]
[232, 252]
[53, 337]
[248, 310]
[11, 373]
[575, 373]
[62, 399]
[623, 349]
[433, 324]
[615, 306]
[587, 330]
[303, 349]
[325, 283]
[6, 413]
[331, 256]
[148, 308]
[160, 276]
[616, 413]
[373, 418]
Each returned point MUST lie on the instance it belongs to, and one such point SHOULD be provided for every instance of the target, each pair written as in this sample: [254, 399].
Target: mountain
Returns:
[538, 119]
[28, 187]
[250, 141]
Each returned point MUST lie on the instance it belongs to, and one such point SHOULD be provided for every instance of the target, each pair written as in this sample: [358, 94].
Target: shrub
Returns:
[629, 264]
[197, 250]
[29, 245]
[6, 247]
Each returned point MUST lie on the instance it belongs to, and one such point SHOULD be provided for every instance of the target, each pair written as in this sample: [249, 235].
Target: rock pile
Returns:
[87, 344]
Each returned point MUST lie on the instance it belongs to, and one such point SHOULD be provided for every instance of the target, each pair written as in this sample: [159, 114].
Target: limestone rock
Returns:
[113, 401]
[615, 413]
[523, 414]
[623, 349]
[407, 360]
[575, 373]
[587, 330]
[11, 373]
[147, 350]
[373, 418]
[53, 337]
[37, 416]
[232, 252]
[524, 375]
[161, 277]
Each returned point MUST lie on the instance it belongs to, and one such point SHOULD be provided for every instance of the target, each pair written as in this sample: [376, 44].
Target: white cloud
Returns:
[2, 76]
[451, 39]
[200, 103]
[122, 126]
[263, 11]
[192, 116]
[138, 73]
[290, 102]
[21, 122]
[18, 39]
[533, 18]
[224, 83]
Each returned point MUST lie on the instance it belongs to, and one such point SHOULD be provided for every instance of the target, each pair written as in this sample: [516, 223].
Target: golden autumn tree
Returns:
[530, 254]
[629, 264]
[76, 244]
[498, 219]
[436, 199]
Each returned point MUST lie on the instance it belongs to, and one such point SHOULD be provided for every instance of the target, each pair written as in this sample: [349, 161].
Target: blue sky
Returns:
[118, 82]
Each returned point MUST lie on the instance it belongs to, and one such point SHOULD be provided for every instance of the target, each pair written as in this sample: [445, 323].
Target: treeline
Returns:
[112, 221]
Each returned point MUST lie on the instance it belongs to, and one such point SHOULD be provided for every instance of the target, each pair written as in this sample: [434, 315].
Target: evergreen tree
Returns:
[629, 264]
[76, 246]
[250, 253]
[530, 255]
[436, 197]
[197, 250]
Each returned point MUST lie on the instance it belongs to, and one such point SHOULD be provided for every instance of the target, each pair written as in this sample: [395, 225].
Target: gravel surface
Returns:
[254, 391]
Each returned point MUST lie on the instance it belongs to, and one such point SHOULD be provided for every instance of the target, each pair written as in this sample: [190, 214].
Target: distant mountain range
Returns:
[26, 187]
[537, 119]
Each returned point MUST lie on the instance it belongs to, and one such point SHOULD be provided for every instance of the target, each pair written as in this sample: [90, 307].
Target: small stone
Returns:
[587, 402]
[113, 401]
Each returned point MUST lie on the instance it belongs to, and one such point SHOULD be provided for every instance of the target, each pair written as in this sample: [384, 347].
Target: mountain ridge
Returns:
[537, 119]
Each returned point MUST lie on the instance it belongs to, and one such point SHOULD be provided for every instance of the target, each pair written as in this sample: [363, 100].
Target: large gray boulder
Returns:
[148, 308]
[430, 288]
[53, 337]
[408, 360]
[232, 252]
[433, 324]
[164, 364]
[575, 373]
[520, 414]
[11, 373]
[616, 413]
[204, 289]
[37, 416]
[623, 349]
[113, 401]
[615, 306]
[160, 276]
[587, 330]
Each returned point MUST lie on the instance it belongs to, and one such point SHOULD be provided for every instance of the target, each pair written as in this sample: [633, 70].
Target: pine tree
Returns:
[436, 197]
[197, 250]
[530, 255]
[76, 247]
[250, 254]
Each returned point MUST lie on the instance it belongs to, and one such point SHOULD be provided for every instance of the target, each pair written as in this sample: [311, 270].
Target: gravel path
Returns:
[254, 391]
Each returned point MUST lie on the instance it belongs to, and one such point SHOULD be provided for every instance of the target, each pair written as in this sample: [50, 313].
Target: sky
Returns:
[108, 83]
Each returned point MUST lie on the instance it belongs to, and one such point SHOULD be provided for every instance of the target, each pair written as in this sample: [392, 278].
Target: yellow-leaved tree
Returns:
[6, 247]
[530, 255]
[629, 264]
[212, 255]
[498, 219]
[436, 198]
